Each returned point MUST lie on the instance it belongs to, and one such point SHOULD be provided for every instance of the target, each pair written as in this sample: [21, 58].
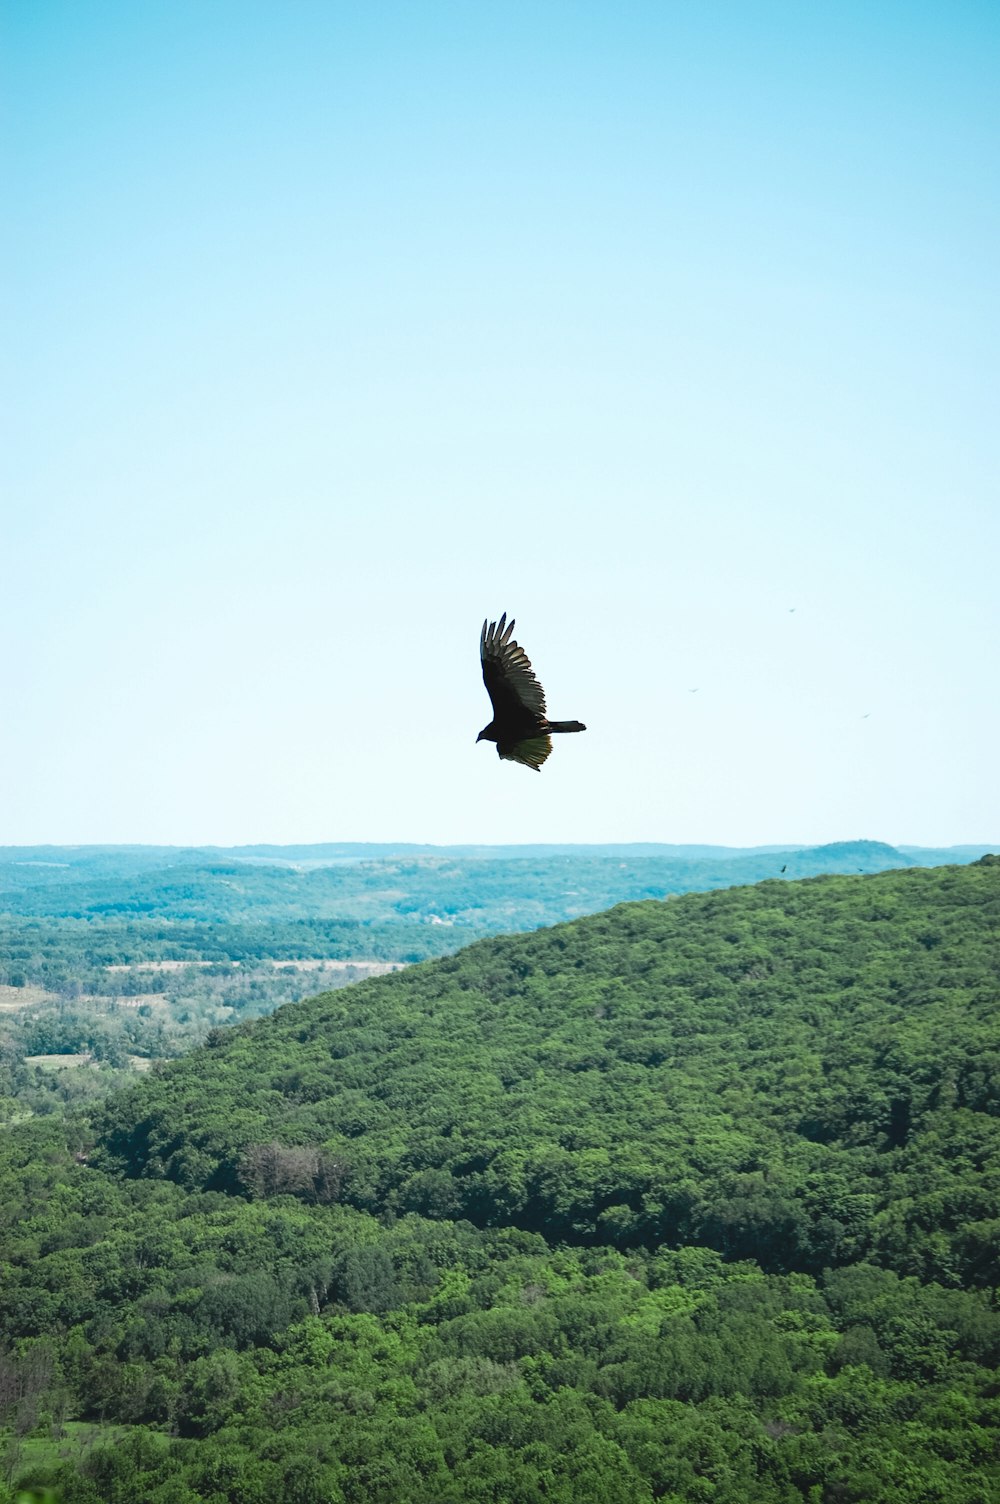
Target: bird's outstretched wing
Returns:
[507, 673]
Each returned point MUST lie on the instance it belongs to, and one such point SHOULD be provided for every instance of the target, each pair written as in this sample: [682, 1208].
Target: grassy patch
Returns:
[28, 1456]
[58, 1062]
[13, 999]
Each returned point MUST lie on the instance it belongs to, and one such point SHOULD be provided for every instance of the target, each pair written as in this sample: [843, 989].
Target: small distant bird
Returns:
[519, 726]
[866, 715]
[692, 691]
[785, 867]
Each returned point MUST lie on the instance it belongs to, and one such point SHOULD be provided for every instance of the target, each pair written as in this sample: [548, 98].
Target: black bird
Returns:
[519, 726]
[785, 867]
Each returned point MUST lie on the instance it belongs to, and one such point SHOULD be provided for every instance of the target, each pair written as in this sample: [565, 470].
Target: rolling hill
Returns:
[759, 1071]
[688, 1200]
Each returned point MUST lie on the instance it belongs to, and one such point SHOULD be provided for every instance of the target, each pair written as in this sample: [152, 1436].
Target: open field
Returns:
[13, 999]
[320, 963]
[160, 965]
[59, 1062]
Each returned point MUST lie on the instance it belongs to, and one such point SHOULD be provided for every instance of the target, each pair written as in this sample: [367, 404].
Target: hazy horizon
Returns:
[670, 331]
[386, 847]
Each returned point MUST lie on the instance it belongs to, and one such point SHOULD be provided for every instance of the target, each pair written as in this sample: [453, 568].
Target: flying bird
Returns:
[520, 727]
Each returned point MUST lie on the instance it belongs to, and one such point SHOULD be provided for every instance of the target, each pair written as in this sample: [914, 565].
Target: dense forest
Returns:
[688, 1200]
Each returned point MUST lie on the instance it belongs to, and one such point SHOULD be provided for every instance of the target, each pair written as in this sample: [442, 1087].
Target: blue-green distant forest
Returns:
[687, 1201]
[67, 908]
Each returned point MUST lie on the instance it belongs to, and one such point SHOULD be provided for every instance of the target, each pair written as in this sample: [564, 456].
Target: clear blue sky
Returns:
[332, 328]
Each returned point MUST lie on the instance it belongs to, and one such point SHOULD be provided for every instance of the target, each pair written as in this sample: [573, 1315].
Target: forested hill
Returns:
[691, 1200]
[803, 1074]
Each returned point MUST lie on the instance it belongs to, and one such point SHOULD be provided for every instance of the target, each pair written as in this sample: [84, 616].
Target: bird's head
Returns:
[482, 733]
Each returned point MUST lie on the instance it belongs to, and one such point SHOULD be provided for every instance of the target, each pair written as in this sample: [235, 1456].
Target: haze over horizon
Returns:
[332, 330]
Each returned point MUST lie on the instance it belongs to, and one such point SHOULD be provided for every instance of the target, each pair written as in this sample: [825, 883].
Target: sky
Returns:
[330, 329]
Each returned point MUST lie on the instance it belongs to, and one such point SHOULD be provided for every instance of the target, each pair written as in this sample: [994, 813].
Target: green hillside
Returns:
[792, 1073]
[691, 1200]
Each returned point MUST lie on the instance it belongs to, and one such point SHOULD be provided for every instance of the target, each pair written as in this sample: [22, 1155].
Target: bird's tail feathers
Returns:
[565, 726]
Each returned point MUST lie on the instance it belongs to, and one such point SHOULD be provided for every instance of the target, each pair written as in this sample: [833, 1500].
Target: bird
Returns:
[520, 726]
[785, 867]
